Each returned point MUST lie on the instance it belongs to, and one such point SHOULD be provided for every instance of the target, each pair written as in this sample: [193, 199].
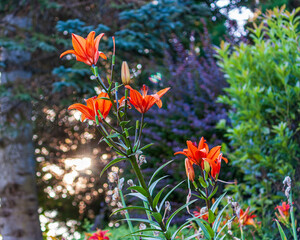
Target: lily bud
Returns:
[125, 74]
[189, 170]
[206, 166]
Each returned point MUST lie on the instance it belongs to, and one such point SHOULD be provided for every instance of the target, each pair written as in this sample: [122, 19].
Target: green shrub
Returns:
[264, 100]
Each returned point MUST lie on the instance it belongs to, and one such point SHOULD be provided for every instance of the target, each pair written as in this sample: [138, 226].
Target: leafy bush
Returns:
[264, 97]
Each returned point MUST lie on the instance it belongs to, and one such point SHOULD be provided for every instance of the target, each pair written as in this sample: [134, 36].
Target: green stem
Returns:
[140, 177]
[242, 233]
[141, 130]
[126, 213]
[293, 217]
[126, 103]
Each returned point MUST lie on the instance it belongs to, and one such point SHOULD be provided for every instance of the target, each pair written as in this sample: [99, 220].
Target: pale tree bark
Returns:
[18, 211]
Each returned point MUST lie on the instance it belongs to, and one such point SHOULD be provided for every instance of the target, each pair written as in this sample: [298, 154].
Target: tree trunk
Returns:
[18, 210]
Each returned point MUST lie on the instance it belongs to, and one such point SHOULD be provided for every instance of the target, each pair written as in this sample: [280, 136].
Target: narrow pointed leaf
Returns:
[217, 202]
[111, 163]
[153, 185]
[177, 211]
[213, 193]
[168, 194]
[157, 171]
[139, 189]
[131, 208]
[282, 234]
[157, 197]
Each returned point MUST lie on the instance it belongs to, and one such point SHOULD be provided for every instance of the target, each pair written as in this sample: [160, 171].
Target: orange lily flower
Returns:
[197, 155]
[90, 111]
[284, 213]
[214, 161]
[189, 170]
[86, 50]
[194, 153]
[283, 209]
[246, 218]
[143, 102]
[99, 235]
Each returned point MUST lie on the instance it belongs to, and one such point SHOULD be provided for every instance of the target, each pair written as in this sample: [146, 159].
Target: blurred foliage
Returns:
[264, 100]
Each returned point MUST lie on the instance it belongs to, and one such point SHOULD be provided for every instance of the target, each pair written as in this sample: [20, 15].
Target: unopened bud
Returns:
[206, 167]
[121, 183]
[125, 74]
[130, 183]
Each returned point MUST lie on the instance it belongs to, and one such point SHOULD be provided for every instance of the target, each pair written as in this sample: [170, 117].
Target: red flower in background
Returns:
[86, 50]
[143, 102]
[284, 213]
[90, 111]
[99, 235]
[246, 218]
[283, 209]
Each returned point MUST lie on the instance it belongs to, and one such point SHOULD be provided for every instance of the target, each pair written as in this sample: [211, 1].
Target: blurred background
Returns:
[166, 43]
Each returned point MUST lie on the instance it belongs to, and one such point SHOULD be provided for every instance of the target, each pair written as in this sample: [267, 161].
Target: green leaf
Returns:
[185, 225]
[218, 219]
[130, 208]
[177, 211]
[213, 193]
[168, 194]
[123, 123]
[139, 189]
[111, 163]
[153, 185]
[224, 228]
[217, 202]
[138, 195]
[156, 199]
[114, 135]
[157, 171]
[145, 147]
[207, 231]
[204, 198]
[144, 230]
[142, 220]
[157, 216]
[211, 216]
[202, 182]
[282, 234]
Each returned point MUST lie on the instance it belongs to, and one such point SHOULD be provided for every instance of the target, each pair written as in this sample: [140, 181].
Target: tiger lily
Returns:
[284, 213]
[93, 105]
[194, 153]
[246, 218]
[198, 155]
[143, 102]
[86, 50]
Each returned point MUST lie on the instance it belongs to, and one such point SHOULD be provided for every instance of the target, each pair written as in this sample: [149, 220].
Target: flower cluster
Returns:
[199, 155]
